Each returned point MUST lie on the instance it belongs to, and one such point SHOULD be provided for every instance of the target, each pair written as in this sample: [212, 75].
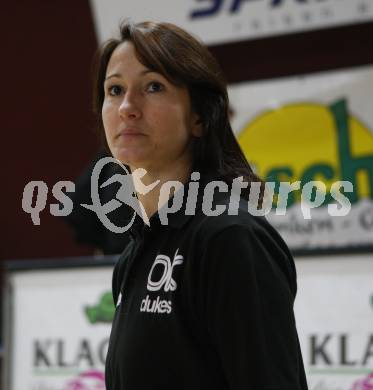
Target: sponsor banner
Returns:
[60, 328]
[61, 324]
[318, 129]
[334, 312]
[221, 21]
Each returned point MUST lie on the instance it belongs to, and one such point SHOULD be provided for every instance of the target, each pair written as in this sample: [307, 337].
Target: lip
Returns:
[130, 131]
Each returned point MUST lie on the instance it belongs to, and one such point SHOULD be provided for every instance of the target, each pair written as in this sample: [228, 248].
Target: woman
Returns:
[202, 302]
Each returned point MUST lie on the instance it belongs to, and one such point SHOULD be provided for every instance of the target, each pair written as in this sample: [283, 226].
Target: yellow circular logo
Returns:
[308, 141]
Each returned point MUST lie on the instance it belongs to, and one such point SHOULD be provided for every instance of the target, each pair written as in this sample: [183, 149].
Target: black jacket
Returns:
[205, 303]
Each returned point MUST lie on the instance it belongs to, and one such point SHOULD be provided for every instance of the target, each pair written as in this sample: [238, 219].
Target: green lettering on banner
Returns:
[350, 165]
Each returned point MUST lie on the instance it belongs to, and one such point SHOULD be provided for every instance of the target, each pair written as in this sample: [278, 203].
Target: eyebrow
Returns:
[145, 71]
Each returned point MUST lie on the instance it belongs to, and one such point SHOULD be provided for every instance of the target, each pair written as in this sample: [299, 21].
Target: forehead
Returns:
[124, 58]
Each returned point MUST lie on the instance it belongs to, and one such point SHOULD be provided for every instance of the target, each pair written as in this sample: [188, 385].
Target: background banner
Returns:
[61, 320]
[334, 312]
[312, 128]
[60, 328]
[220, 21]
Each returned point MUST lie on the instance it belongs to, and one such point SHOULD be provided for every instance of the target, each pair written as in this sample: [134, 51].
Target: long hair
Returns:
[185, 61]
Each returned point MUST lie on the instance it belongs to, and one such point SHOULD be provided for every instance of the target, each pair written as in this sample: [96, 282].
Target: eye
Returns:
[115, 90]
[155, 86]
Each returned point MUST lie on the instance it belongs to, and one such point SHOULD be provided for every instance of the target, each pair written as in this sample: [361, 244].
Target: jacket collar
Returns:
[178, 219]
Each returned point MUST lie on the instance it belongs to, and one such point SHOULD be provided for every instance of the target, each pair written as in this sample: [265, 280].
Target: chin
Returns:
[130, 159]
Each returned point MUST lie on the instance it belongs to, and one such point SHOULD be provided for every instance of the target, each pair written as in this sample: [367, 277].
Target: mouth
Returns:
[129, 133]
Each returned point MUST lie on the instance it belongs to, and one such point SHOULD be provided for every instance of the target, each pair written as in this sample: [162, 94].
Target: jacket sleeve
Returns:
[247, 306]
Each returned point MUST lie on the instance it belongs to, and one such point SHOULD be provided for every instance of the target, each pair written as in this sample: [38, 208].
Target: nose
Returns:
[129, 106]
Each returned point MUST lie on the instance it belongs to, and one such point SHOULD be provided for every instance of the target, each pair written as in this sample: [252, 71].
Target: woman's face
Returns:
[148, 121]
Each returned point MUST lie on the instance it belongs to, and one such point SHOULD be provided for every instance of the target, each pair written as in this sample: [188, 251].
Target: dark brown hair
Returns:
[185, 61]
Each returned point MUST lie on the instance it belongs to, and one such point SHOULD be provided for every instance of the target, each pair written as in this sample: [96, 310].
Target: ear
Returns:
[197, 126]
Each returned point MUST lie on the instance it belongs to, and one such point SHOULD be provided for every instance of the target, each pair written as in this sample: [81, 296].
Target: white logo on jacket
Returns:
[166, 281]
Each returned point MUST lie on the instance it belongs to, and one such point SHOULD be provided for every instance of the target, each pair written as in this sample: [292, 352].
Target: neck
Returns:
[153, 200]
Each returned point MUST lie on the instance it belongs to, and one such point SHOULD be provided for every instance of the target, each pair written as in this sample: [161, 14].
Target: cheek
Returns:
[108, 117]
[170, 123]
